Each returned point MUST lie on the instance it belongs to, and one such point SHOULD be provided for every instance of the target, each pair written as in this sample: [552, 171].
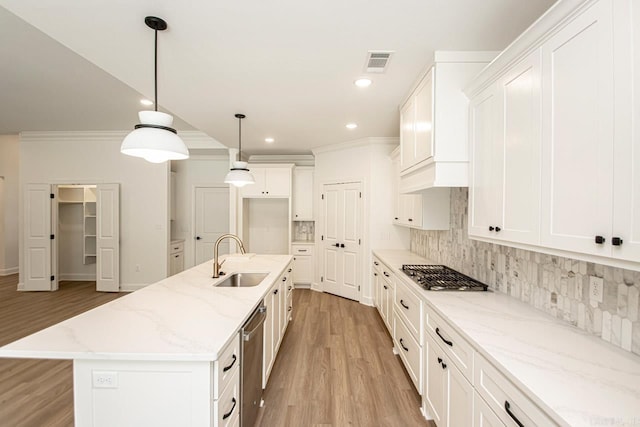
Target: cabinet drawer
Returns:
[409, 307]
[456, 347]
[387, 275]
[483, 416]
[176, 247]
[289, 305]
[226, 366]
[228, 405]
[410, 351]
[302, 249]
[503, 397]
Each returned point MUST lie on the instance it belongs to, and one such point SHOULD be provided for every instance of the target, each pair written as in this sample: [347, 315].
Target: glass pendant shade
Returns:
[239, 175]
[154, 139]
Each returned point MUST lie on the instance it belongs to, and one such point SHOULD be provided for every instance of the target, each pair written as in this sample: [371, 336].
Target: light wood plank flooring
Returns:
[39, 392]
[336, 368]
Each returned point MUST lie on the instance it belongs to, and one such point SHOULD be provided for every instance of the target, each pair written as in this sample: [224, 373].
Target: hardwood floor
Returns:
[336, 368]
[39, 392]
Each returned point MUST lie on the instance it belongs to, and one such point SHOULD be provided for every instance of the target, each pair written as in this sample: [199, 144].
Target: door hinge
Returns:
[52, 236]
[359, 241]
[51, 196]
[323, 197]
[322, 278]
[358, 288]
[360, 194]
[53, 278]
[322, 237]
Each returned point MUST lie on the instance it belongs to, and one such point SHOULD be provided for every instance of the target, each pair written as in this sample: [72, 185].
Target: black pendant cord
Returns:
[155, 70]
[240, 139]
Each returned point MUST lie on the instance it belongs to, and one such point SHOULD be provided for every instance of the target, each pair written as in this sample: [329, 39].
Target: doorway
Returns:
[340, 240]
[211, 221]
[71, 233]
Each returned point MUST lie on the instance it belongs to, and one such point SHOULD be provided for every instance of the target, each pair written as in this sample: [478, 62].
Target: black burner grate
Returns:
[441, 278]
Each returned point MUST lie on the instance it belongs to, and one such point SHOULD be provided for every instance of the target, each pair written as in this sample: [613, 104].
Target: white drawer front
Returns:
[176, 247]
[503, 397]
[409, 307]
[456, 347]
[483, 416]
[302, 249]
[226, 366]
[410, 351]
[226, 407]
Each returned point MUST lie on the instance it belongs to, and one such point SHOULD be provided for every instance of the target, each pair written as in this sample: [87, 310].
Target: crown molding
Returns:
[297, 159]
[382, 140]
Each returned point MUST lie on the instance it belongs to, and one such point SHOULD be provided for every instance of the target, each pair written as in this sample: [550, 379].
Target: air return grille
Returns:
[377, 61]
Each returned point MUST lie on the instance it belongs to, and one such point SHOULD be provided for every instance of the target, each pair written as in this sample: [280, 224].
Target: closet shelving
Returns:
[89, 224]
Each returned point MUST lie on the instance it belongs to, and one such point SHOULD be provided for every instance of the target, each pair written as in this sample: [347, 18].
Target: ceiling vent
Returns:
[377, 61]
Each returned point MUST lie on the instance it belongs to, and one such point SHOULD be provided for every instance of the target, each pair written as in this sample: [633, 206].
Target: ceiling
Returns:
[289, 65]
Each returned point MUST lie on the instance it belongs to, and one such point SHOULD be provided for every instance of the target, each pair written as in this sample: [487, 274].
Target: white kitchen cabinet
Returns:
[176, 257]
[428, 210]
[303, 262]
[483, 416]
[172, 197]
[270, 182]
[386, 282]
[303, 194]
[505, 121]
[416, 123]
[579, 133]
[433, 123]
[448, 396]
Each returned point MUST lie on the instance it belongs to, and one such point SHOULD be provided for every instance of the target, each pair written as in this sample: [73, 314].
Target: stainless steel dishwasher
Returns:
[251, 369]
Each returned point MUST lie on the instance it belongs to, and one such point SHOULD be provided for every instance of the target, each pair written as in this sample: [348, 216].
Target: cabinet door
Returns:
[176, 264]
[267, 349]
[257, 189]
[520, 127]
[578, 133]
[278, 182]
[434, 381]
[460, 398]
[485, 193]
[626, 202]
[395, 188]
[483, 416]
[303, 269]
[303, 194]
[283, 308]
[376, 291]
[407, 134]
[423, 122]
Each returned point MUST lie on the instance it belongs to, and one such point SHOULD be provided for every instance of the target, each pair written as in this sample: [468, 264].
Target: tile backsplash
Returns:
[556, 285]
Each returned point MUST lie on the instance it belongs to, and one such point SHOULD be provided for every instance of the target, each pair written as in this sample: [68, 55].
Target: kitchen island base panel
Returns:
[136, 393]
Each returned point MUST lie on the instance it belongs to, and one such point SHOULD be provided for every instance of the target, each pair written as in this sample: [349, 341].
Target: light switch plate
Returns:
[596, 289]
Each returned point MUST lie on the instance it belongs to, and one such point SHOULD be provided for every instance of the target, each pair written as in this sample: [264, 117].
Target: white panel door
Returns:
[341, 244]
[278, 182]
[37, 238]
[485, 194]
[423, 125]
[520, 119]
[108, 237]
[211, 221]
[434, 381]
[303, 195]
[55, 230]
[407, 134]
[460, 398]
[578, 114]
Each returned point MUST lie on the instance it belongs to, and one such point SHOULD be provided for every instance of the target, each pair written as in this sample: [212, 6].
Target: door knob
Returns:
[198, 238]
[337, 245]
[616, 241]
[342, 245]
[600, 240]
[491, 228]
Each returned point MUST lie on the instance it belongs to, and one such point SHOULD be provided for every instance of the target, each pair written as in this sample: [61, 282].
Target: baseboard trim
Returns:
[73, 277]
[302, 285]
[21, 286]
[368, 301]
[9, 271]
[131, 287]
[315, 287]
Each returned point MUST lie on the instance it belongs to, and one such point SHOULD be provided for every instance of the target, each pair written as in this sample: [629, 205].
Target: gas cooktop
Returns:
[441, 278]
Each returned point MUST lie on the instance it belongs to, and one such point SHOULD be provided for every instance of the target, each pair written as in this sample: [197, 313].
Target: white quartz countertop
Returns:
[577, 378]
[181, 318]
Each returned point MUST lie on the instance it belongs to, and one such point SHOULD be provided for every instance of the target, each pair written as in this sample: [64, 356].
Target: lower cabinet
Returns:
[176, 257]
[303, 262]
[448, 396]
[279, 303]
[483, 416]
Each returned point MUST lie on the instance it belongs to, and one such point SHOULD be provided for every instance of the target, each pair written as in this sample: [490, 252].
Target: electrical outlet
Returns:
[105, 379]
[596, 289]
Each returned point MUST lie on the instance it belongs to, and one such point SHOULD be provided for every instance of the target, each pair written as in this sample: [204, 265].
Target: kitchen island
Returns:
[158, 356]
[511, 361]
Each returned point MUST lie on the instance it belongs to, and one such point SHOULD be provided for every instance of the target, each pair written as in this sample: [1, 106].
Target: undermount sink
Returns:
[242, 280]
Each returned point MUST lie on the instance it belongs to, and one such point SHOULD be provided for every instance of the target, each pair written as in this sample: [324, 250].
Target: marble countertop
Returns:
[181, 318]
[577, 378]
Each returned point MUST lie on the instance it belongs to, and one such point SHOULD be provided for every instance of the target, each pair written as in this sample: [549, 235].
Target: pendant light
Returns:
[154, 139]
[239, 175]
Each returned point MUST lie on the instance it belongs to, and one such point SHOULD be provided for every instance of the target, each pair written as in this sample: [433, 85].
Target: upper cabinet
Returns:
[433, 123]
[554, 136]
[303, 194]
[270, 182]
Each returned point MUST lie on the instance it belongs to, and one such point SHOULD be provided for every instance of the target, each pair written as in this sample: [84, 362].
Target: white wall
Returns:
[197, 171]
[366, 160]
[94, 157]
[9, 169]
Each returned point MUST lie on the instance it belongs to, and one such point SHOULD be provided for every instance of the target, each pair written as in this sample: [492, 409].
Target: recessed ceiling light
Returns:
[269, 140]
[351, 125]
[146, 102]
[363, 82]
